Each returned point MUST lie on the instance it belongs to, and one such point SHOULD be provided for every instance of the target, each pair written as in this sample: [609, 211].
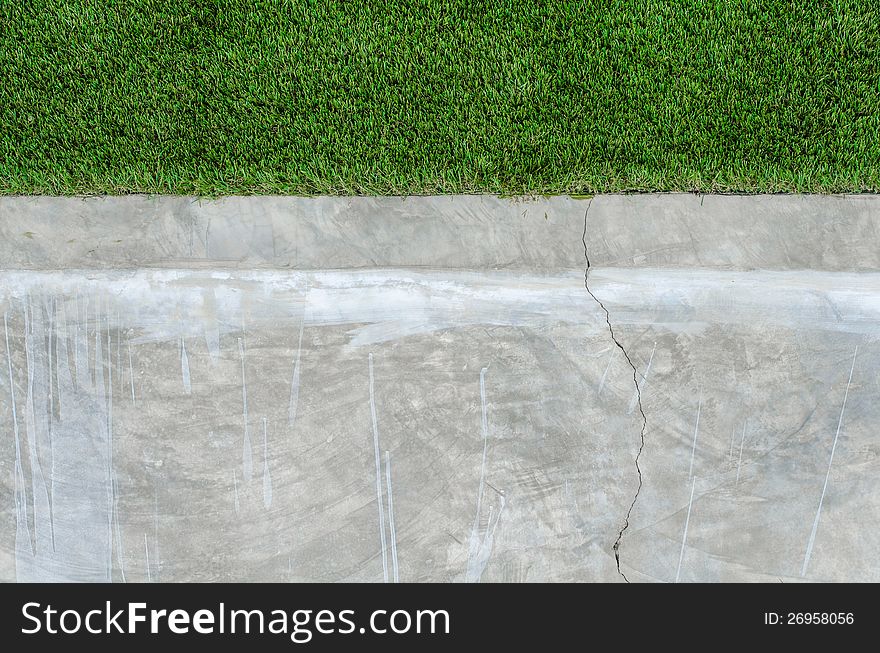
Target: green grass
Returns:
[438, 96]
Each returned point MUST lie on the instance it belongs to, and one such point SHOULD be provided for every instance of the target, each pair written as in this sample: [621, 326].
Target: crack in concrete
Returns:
[625, 526]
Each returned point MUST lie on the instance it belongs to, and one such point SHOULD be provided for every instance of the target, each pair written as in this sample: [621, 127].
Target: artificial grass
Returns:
[438, 96]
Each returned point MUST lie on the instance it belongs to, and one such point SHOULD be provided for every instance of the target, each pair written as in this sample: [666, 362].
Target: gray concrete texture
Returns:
[424, 389]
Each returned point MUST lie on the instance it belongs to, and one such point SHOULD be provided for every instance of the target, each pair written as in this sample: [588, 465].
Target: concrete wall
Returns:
[424, 389]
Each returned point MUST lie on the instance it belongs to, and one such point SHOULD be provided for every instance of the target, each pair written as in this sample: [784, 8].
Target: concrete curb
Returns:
[835, 233]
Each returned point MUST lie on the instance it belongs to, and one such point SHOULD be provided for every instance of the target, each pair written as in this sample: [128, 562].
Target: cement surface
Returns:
[422, 389]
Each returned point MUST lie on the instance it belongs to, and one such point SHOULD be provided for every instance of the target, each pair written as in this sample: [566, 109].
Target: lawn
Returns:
[438, 96]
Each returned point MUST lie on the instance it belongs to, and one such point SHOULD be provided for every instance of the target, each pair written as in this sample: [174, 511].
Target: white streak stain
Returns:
[379, 500]
[479, 549]
[41, 388]
[62, 378]
[83, 374]
[696, 432]
[111, 514]
[687, 521]
[147, 558]
[120, 366]
[294, 382]
[815, 528]
[119, 546]
[22, 531]
[184, 367]
[156, 531]
[490, 533]
[131, 373]
[110, 392]
[732, 439]
[247, 455]
[99, 361]
[53, 343]
[76, 319]
[210, 328]
[42, 532]
[739, 463]
[74, 531]
[267, 477]
[62, 360]
[605, 373]
[393, 533]
[100, 398]
[11, 389]
[51, 339]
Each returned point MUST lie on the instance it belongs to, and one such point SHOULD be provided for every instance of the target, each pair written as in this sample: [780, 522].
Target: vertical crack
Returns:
[625, 525]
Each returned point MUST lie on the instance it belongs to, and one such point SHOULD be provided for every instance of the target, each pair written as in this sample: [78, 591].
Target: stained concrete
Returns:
[423, 389]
